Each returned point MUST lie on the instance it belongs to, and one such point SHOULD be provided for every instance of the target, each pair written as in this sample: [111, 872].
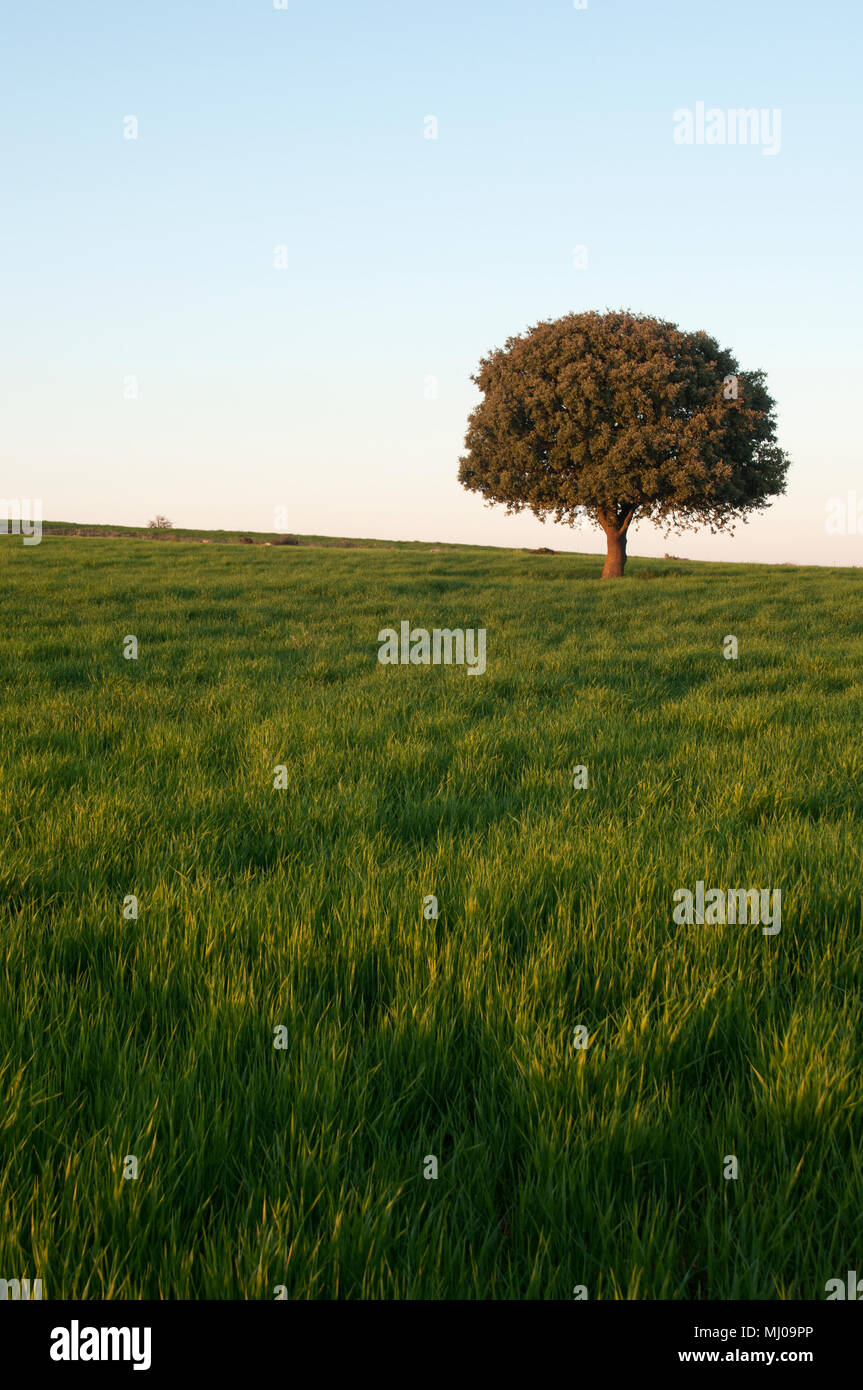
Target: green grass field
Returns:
[303, 1167]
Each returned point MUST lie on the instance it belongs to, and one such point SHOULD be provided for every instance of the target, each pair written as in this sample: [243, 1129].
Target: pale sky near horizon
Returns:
[339, 387]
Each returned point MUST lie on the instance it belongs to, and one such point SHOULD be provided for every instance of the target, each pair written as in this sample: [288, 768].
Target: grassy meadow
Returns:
[303, 1167]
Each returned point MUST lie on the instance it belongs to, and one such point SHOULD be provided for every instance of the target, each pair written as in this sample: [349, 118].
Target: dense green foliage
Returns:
[409, 1037]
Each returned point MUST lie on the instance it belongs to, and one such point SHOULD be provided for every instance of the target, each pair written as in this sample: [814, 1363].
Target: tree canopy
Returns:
[619, 416]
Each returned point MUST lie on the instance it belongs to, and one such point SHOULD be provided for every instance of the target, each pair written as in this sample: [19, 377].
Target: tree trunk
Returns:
[615, 523]
[616, 557]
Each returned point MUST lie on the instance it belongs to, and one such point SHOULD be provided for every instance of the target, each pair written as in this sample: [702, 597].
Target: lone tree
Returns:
[617, 416]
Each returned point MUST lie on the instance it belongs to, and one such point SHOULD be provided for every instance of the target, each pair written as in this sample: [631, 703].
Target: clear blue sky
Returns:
[407, 258]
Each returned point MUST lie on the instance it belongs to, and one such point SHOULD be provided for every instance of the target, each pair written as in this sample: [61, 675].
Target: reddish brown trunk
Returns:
[616, 557]
[615, 524]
